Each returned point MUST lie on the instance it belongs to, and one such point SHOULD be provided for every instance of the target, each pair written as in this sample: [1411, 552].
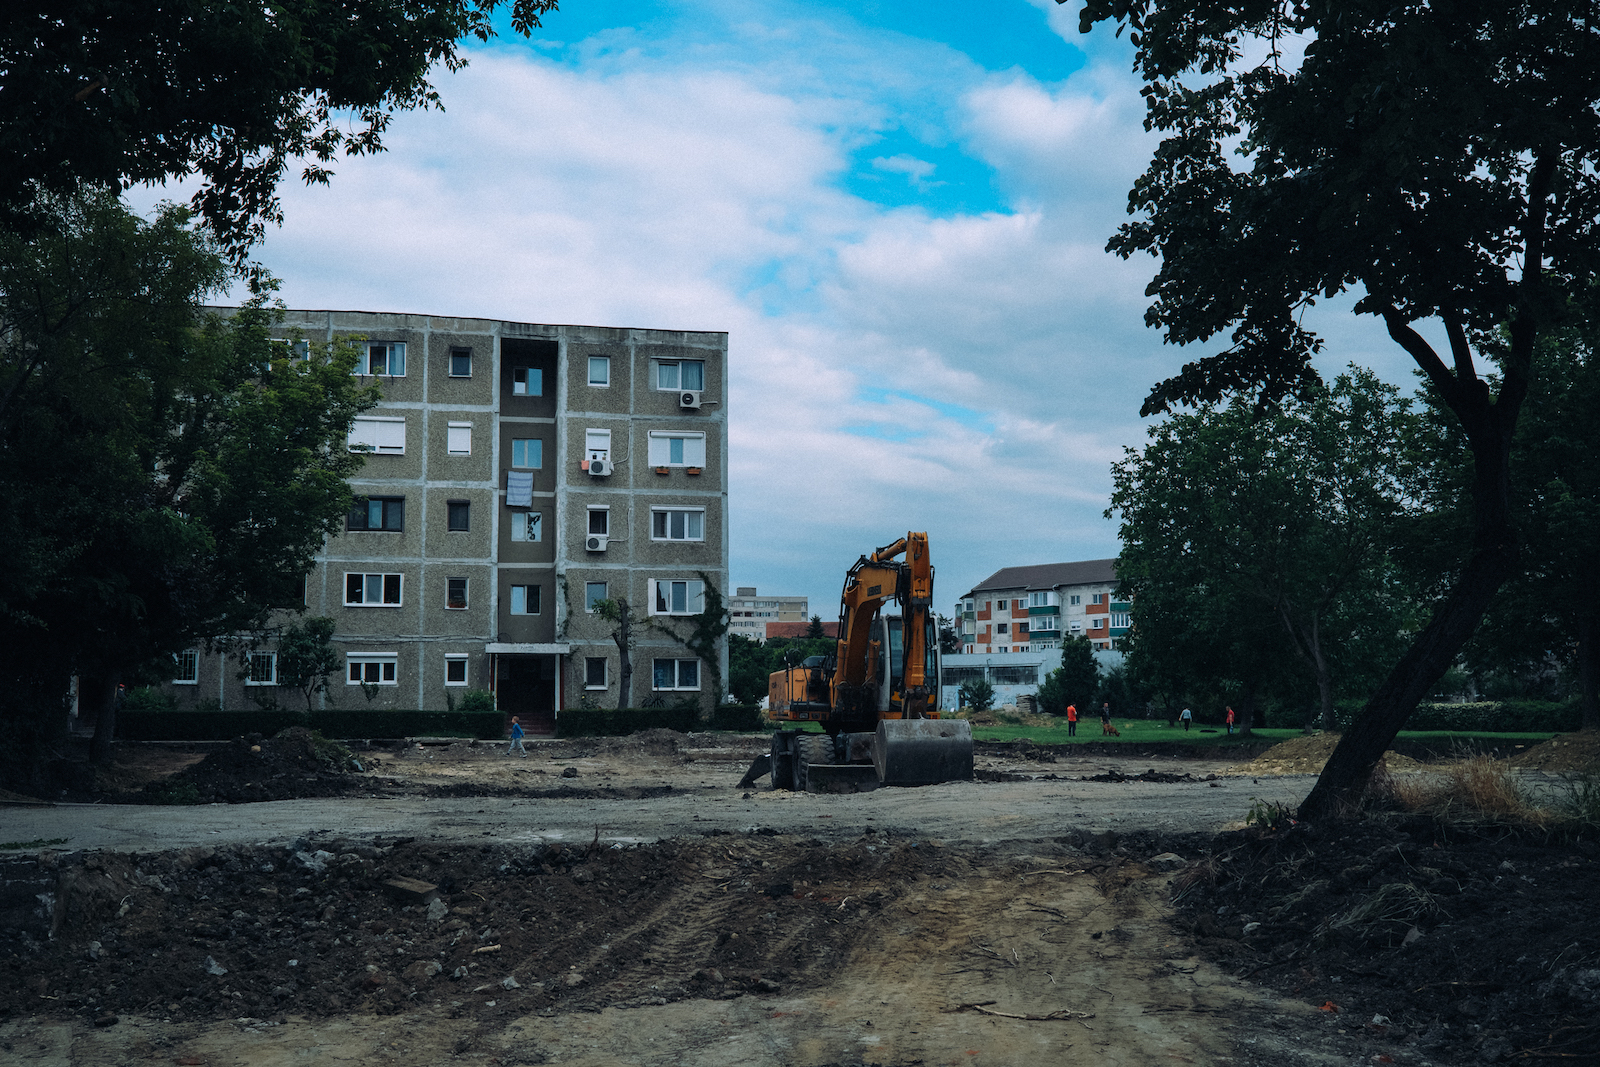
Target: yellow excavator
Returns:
[877, 696]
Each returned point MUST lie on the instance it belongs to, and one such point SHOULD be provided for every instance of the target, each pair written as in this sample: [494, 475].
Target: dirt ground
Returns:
[1406, 942]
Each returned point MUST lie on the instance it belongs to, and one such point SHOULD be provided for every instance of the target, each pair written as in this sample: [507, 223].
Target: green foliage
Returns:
[619, 722]
[1269, 815]
[737, 718]
[476, 700]
[1077, 678]
[117, 92]
[149, 698]
[306, 656]
[814, 629]
[1579, 800]
[706, 630]
[751, 663]
[38, 842]
[977, 694]
[332, 723]
[949, 636]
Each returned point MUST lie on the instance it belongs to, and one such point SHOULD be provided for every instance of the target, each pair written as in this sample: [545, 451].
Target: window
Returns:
[677, 449]
[293, 350]
[676, 674]
[1119, 618]
[461, 363]
[386, 358]
[681, 374]
[386, 513]
[1038, 600]
[525, 600]
[527, 526]
[263, 669]
[1098, 598]
[455, 668]
[593, 593]
[458, 439]
[458, 515]
[678, 598]
[371, 433]
[1045, 622]
[527, 452]
[369, 669]
[597, 444]
[600, 521]
[599, 370]
[188, 668]
[1098, 623]
[1000, 629]
[527, 381]
[456, 593]
[673, 525]
[372, 590]
[1076, 599]
[594, 672]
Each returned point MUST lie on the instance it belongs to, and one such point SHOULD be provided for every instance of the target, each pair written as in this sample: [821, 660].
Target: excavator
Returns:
[877, 696]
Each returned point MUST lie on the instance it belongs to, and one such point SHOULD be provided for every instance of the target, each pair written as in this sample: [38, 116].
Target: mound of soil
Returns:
[1306, 755]
[251, 769]
[1151, 775]
[1570, 753]
[1470, 946]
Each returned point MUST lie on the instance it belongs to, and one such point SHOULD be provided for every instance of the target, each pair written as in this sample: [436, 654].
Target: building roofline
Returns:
[1048, 576]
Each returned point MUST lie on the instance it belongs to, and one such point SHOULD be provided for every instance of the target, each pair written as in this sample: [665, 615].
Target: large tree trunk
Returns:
[624, 639]
[105, 724]
[1589, 670]
[1247, 711]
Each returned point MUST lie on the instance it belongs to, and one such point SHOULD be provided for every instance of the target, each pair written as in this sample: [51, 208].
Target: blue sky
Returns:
[898, 212]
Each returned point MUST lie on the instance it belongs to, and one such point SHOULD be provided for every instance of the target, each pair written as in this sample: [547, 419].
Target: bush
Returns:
[149, 698]
[607, 722]
[138, 725]
[476, 700]
[738, 718]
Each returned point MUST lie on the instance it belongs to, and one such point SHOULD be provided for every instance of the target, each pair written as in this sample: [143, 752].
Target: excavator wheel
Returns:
[809, 749]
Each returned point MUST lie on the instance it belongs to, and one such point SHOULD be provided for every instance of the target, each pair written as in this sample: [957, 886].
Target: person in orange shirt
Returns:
[1072, 720]
[1230, 720]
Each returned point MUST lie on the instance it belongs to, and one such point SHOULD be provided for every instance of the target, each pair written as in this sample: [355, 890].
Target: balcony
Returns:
[1118, 631]
[1047, 609]
[1121, 605]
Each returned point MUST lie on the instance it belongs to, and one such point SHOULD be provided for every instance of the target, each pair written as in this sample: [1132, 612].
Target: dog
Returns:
[1107, 729]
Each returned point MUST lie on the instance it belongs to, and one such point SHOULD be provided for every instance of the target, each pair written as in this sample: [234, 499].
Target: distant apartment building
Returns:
[749, 613]
[1031, 609]
[518, 474]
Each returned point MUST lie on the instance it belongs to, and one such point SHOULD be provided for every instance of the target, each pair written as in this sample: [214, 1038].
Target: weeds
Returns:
[1475, 786]
[1394, 909]
[1581, 802]
[38, 842]
[1269, 815]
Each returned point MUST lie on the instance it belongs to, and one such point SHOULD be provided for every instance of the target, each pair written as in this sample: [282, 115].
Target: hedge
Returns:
[609, 722]
[142, 725]
[1484, 716]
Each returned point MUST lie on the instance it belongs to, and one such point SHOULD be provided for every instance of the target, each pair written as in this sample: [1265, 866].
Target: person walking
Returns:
[1230, 721]
[516, 739]
[1105, 715]
[1185, 716]
[1072, 721]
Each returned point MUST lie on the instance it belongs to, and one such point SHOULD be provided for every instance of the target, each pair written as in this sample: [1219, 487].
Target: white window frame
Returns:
[677, 685]
[459, 350]
[596, 444]
[458, 438]
[188, 658]
[366, 584]
[527, 526]
[605, 672]
[271, 659]
[538, 448]
[466, 593]
[602, 510]
[676, 375]
[662, 596]
[686, 512]
[375, 435]
[520, 592]
[387, 664]
[451, 658]
[1076, 600]
[692, 452]
[1098, 598]
[605, 378]
[589, 599]
[530, 376]
[391, 350]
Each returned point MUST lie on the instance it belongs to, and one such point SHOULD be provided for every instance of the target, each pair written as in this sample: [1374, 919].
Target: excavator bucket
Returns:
[922, 751]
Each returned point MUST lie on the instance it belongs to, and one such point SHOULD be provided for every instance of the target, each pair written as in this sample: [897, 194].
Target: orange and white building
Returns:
[1031, 609]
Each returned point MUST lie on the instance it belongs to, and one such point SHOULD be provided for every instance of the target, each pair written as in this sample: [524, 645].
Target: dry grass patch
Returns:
[1472, 787]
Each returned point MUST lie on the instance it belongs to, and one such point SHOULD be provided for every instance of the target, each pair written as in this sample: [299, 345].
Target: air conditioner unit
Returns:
[690, 398]
[596, 542]
[600, 468]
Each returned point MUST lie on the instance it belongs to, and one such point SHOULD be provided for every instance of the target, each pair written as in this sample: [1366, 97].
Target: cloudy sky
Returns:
[897, 212]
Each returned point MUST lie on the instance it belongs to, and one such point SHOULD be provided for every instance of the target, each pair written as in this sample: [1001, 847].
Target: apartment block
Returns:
[750, 613]
[1029, 609]
[518, 474]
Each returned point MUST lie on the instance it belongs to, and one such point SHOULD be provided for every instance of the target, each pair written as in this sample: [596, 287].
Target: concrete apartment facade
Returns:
[519, 473]
[1030, 609]
[749, 613]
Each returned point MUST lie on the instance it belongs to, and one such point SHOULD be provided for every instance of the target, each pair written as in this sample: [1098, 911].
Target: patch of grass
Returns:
[1472, 787]
[1580, 803]
[38, 842]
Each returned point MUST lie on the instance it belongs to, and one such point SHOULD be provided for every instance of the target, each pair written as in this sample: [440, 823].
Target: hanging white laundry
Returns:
[519, 489]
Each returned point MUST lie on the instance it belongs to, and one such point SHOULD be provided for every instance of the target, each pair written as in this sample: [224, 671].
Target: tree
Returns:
[815, 629]
[1285, 513]
[977, 694]
[1080, 674]
[949, 636]
[706, 630]
[169, 474]
[120, 92]
[747, 669]
[620, 616]
[1439, 160]
[306, 656]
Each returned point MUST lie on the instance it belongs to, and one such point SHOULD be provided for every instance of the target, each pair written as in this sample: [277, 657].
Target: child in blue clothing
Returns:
[516, 739]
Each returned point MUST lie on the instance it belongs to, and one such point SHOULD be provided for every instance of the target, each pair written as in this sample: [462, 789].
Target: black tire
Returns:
[810, 748]
[782, 763]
